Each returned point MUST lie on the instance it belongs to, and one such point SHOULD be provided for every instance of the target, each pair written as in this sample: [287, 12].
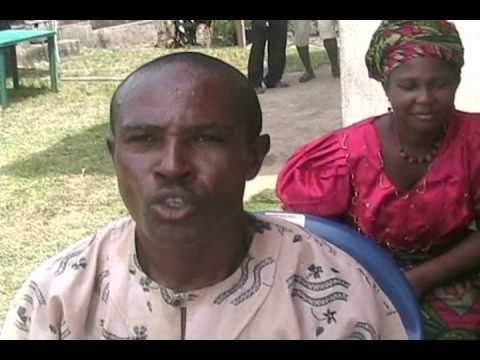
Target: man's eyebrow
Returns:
[131, 127]
[213, 127]
[139, 127]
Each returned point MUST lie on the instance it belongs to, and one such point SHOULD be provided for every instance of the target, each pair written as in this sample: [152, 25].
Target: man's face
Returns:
[181, 152]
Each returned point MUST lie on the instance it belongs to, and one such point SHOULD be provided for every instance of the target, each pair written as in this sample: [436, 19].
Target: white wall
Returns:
[363, 97]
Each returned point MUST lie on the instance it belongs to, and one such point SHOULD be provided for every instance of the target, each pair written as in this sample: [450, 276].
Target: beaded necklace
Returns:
[424, 159]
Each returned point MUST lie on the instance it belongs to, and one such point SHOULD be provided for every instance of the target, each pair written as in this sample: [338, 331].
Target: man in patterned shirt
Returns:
[190, 263]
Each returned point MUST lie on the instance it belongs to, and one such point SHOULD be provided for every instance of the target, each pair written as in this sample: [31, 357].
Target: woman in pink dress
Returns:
[408, 179]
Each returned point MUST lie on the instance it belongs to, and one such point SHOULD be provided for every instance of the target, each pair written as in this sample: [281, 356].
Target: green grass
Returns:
[264, 200]
[56, 178]
[105, 62]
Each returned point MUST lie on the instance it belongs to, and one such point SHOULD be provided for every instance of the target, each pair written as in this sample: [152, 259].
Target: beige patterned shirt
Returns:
[291, 285]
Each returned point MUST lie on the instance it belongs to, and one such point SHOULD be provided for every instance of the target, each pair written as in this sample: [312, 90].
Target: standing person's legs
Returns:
[329, 36]
[277, 56]
[302, 35]
[257, 53]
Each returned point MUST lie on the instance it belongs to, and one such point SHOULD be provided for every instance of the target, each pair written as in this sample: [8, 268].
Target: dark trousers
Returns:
[275, 35]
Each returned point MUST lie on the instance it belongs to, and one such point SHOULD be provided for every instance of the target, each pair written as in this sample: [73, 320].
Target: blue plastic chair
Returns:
[373, 258]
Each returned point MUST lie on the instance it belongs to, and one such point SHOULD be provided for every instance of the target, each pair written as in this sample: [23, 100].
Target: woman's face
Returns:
[422, 93]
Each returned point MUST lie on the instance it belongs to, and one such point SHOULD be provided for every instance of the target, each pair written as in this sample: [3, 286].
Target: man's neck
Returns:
[185, 264]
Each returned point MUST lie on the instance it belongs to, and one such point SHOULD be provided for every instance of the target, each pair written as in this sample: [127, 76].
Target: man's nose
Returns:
[173, 160]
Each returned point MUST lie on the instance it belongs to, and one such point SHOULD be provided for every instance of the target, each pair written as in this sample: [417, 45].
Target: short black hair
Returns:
[247, 95]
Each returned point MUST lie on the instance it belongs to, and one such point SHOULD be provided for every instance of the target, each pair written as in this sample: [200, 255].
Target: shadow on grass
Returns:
[32, 73]
[19, 94]
[33, 82]
[85, 152]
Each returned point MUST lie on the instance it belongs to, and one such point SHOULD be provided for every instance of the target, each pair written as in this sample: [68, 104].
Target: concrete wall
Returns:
[81, 31]
[363, 97]
[140, 33]
[125, 35]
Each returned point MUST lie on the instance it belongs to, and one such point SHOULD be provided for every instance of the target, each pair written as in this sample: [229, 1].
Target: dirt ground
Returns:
[299, 113]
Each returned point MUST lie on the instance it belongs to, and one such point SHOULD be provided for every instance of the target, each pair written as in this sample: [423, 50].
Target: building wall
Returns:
[363, 97]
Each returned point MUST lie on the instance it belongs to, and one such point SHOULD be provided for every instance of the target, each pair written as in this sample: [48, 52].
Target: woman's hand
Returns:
[419, 281]
[442, 269]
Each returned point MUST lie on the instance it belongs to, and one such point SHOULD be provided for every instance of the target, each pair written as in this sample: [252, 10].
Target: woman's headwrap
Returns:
[398, 41]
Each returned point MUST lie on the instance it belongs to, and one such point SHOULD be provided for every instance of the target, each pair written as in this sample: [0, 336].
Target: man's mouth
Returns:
[173, 206]
[175, 202]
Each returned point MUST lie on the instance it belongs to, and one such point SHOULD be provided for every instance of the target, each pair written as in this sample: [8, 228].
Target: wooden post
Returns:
[241, 39]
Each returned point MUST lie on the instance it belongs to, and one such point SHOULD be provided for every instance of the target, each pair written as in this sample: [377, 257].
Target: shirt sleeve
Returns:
[15, 326]
[27, 317]
[316, 179]
[342, 297]
[370, 314]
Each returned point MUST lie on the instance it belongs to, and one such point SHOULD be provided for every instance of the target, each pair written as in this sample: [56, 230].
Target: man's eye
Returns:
[142, 138]
[209, 138]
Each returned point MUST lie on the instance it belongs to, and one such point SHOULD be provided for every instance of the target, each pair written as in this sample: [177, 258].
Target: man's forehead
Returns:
[180, 91]
[172, 77]
[179, 86]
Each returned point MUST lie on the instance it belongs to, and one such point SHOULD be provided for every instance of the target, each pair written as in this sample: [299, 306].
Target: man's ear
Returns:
[257, 152]
[109, 138]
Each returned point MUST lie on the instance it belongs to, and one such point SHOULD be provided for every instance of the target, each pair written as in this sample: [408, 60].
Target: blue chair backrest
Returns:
[373, 258]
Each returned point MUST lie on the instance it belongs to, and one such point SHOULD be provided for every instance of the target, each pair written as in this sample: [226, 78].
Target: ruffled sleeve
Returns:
[475, 170]
[316, 179]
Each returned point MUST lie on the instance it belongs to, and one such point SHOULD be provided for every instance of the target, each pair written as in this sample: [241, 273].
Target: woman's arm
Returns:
[459, 260]
[316, 179]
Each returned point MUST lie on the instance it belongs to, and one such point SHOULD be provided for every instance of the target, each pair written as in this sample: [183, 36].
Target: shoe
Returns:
[279, 84]
[306, 77]
[260, 90]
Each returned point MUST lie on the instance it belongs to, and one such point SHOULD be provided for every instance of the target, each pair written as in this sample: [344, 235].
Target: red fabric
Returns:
[342, 174]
